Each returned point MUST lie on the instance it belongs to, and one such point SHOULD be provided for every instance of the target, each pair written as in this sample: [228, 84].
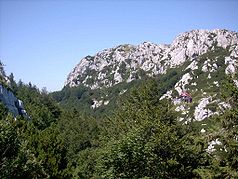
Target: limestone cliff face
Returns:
[127, 62]
[7, 98]
[14, 105]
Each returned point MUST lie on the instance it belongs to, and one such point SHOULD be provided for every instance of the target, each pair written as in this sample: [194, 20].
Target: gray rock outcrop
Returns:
[123, 63]
[14, 105]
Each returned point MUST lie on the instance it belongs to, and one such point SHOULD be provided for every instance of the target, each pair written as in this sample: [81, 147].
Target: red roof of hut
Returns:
[184, 93]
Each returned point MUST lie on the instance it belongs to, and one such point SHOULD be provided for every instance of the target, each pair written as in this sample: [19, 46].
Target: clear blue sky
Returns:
[41, 41]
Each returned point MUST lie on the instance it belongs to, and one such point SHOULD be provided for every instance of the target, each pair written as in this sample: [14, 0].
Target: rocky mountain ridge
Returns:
[129, 62]
[198, 61]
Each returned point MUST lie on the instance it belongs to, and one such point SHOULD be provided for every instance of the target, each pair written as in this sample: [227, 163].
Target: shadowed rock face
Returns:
[14, 105]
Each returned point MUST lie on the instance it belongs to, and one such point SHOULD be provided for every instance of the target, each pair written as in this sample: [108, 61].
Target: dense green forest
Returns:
[141, 138]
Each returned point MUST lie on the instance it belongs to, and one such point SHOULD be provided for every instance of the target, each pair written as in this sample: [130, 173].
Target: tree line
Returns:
[141, 139]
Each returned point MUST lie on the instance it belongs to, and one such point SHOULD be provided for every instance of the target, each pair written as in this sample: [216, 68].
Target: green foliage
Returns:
[75, 98]
[2, 71]
[145, 140]
[230, 91]
[82, 98]
[85, 163]
[167, 81]
[34, 148]
[225, 159]
[27, 152]
[12, 84]
[50, 150]
[9, 144]
[123, 70]
[40, 107]
[79, 133]
[153, 150]
[139, 138]
[216, 56]
[3, 111]
[17, 160]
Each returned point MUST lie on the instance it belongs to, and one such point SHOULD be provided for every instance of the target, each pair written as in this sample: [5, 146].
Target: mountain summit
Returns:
[129, 62]
[196, 63]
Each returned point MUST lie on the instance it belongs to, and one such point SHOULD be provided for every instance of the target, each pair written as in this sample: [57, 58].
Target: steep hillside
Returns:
[8, 98]
[197, 61]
